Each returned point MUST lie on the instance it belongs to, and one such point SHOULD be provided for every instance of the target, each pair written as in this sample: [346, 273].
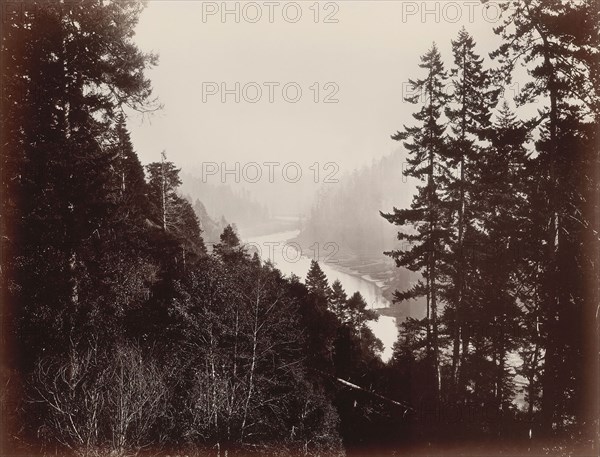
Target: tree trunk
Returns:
[252, 368]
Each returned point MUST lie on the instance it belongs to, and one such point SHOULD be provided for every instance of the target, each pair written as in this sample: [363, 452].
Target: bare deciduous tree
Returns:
[100, 400]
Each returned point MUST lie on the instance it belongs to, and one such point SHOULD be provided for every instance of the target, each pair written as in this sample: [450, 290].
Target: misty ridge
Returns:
[326, 210]
[348, 213]
[216, 204]
[441, 299]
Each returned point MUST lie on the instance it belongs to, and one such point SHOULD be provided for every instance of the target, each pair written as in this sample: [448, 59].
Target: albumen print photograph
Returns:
[300, 228]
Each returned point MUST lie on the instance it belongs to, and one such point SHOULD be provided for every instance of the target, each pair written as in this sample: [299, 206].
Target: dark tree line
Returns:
[121, 332]
[504, 231]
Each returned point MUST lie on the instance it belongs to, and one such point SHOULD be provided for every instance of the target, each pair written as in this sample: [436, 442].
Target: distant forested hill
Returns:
[223, 201]
[348, 213]
[211, 228]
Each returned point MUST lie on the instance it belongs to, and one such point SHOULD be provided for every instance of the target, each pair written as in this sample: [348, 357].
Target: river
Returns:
[289, 258]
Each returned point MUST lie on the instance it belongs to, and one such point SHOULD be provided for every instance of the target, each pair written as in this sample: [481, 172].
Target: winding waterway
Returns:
[289, 258]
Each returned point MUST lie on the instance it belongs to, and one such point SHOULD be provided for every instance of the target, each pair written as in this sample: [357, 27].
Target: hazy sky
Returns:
[369, 54]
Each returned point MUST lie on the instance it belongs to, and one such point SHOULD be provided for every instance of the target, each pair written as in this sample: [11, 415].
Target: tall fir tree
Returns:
[469, 111]
[499, 201]
[172, 213]
[163, 181]
[321, 322]
[427, 147]
[62, 92]
[129, 184]
[558, 42]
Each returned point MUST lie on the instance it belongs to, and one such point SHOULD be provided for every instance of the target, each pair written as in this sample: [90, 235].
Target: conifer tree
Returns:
[229, 248]
[163, 181]
[358, 314]
[499, 201]
[322, 324]
[469, 111]
[558, 42]
[62, 89]
[337, 300]
[172, 213]
[316, 281]
[427, 147]
[128, 174]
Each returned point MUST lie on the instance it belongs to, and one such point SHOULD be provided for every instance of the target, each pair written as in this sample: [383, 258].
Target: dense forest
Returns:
[506, 230]
[123, 333]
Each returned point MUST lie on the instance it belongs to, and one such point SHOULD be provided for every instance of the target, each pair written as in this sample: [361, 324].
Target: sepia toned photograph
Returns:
[300, 228]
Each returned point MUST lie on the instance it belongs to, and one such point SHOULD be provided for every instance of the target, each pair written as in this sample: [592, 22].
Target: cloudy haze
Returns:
[370, 53]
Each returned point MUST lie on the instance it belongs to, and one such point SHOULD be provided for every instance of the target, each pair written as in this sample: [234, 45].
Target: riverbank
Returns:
[291, 258]
[381, 271]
